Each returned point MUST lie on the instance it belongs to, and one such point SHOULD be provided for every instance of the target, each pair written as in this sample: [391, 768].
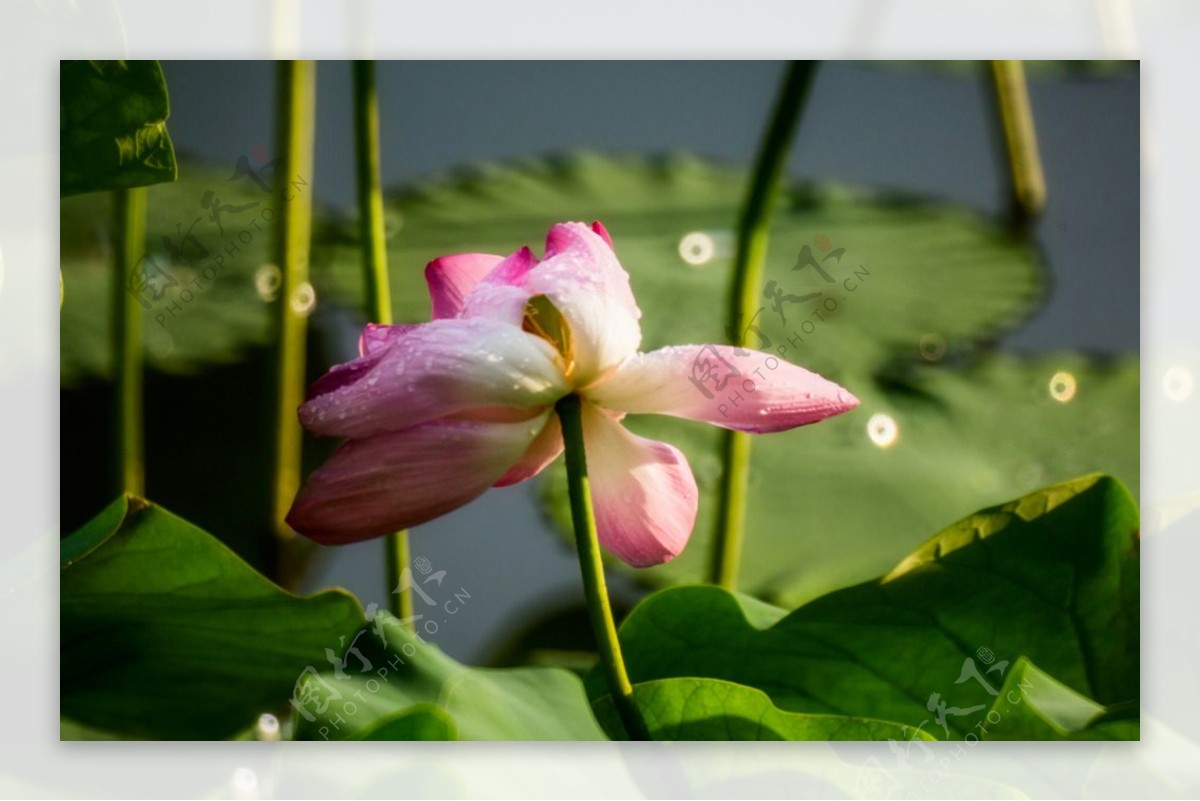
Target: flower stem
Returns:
[293, 236]
[592, 568]
[379, 299]
[370, 192]
[1020, 138]
[745, 300]
[127, 339]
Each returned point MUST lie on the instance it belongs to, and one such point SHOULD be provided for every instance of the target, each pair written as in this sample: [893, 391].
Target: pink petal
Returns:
[451, 279]
[757, 392]
[540, 453]
[372, 487]
[643, 492]
[582, 277]
[435, 370]
[501, 295]
[376, 337]
[513, 269]
[341, 375]
[602, 232]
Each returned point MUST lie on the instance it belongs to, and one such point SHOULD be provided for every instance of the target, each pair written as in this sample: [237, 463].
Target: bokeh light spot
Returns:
[882, 430]
[697, 248]
[1063, 386]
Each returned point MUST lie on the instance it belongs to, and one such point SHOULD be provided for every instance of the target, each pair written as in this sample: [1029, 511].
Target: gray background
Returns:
[907, 128]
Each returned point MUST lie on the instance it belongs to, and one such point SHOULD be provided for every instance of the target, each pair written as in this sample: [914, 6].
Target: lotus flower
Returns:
[436, 413]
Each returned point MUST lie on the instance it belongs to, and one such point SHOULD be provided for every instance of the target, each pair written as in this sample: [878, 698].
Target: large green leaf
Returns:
[210, 284]
[393, 685]
[113, 126]
[165, 633]
[1032, 705]
[708, 709]
[963, 438]
[916, 267]
[419, 722]
[650, 205]
[1052, 577]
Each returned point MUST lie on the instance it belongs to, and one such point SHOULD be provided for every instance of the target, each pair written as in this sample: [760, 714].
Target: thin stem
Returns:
[379, 300]
[396, 556]
[1020, 137]
[731, 510]
[592, 568]
[745, 300]
[370, 192]
[127, 339]
[293, 202]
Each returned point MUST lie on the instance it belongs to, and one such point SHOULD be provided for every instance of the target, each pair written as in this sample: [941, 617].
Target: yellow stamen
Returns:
[543, 319]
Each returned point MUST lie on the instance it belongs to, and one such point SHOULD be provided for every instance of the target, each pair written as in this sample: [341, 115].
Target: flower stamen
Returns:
[543, 319]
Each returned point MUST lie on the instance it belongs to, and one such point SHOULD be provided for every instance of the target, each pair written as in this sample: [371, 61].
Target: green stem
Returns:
[293, 204]
[592, 568]
[745, 300]
[396, 557]
[1020, 137]
[127, 338]
[731, 510]
[370, 192]
[379, 300]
